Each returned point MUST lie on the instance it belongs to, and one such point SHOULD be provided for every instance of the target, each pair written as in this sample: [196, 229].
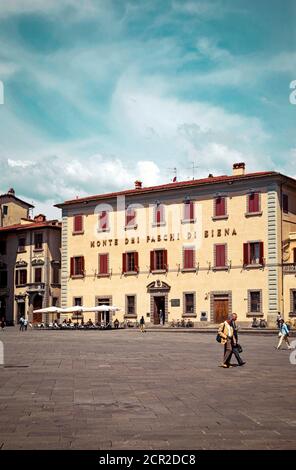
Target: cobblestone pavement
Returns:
[127, 390]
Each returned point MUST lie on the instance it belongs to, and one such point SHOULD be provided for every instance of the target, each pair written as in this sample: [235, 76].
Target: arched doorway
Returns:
[158, 291]
[37, 304]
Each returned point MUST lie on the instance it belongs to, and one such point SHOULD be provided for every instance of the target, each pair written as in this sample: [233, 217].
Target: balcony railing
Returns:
[36, 287]
[289, 268]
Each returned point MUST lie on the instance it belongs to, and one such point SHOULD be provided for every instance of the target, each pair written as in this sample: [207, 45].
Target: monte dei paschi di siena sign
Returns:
[165, 238]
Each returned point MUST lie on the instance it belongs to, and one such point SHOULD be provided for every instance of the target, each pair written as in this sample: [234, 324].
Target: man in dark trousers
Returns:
[235, 334]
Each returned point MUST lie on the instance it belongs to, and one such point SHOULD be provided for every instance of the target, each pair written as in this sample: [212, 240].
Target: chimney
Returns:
[138, 184]
[11, 192]
[238, 169]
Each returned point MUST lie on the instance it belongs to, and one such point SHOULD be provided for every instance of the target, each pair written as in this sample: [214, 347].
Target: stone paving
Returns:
[127, 390]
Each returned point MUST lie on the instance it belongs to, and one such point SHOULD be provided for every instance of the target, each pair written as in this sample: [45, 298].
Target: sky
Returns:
[99, 93]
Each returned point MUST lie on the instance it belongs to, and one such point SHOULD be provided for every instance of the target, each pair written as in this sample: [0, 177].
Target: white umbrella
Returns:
[101, 308]
[49, 310]
[74, 309]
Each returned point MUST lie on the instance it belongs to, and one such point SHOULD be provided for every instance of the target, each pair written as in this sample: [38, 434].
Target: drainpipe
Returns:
[282, 259]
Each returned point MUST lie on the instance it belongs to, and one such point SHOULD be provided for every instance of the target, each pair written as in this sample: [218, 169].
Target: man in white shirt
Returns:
[227, 338]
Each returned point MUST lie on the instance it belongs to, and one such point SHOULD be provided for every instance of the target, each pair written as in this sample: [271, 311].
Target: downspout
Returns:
[282, 259]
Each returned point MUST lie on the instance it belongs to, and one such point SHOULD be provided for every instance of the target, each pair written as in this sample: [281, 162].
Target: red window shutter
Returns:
[130, 217]
[246, 254]
[152, 260]
[124, 267]
[103, 220]
[188, 258]
[78, 227]
[72, 267]
[136, 261]
[191, 210]
[220, 256]
[158, 215]
[103, 260]
[220, 206]
[165, 259]
[254, 202]
[261, 253]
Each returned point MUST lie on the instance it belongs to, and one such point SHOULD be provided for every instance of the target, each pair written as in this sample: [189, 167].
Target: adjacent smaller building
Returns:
[30, 260]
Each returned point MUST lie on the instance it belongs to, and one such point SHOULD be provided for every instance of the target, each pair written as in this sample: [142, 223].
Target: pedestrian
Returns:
[283, 334]
[142, 324]
[161, 317]
[236, 348]
[25, 324]
[225, 332]
[2, 323]
[22, 323]
[116, 323]
[278, 319]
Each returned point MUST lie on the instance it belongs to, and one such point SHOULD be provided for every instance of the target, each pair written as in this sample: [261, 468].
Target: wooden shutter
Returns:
[124, 267]
[165, 259]
[78, 227]
[152, 260]
[220, 256]
[253, 202]
[246, 254]
[188, 258]
[220, 207]
[82, 265]
[136, 255]
[261, 253]
[72, 267]
[130, 217]
[103, 220]
[103, 263]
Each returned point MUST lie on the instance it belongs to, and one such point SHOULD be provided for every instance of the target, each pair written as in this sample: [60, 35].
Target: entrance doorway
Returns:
[37, 304]
[159, 309]
[104, 317]
[21, 310]
[221, 308]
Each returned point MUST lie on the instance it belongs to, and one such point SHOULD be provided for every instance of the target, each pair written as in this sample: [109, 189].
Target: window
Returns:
[131, 305]
[77, 266]
[159, 214]
[189, 303]
[103, 264]
[5, 210]
[21, 245]
[255, 301]
[78, 224]
[220, 207]
[188, 258]
[253, 203]
[293, 301]
[253, 254]
[3, 279]
[220, 256]
[294, 255]
[38, 275]
[104, 301]
[103, 221]
[55, 274]
[77, 301]
[188, 211]
[159, 260]
[20, 277]
[55, 301]
[286, 203]
[130, 262]
[2, 247]
[130, 217]
[38, 241]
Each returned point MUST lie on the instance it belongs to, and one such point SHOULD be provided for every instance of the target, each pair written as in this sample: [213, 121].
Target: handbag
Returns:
[239, 348]
[218, 338]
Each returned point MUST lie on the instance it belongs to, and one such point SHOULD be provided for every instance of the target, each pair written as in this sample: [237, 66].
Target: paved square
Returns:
[161, 390]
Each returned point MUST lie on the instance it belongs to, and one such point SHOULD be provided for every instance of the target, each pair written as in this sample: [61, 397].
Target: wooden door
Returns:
[220, 310]
[156, 320]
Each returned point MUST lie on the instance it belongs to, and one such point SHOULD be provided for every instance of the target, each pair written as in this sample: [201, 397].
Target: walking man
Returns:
[22, 323]
[283, 334]
[227, 338]
[142, 325]
[235, 335]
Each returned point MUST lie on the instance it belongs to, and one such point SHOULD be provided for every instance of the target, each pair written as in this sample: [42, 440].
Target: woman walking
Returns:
[283, 334]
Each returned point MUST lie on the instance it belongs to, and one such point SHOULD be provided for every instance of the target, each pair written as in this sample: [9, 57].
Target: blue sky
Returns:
[100, 93]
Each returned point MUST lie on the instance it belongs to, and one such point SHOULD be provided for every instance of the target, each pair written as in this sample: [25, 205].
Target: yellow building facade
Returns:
[194, 250]
[30, 261]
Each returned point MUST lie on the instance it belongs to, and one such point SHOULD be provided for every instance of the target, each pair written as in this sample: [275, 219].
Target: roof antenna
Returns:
[174, 170]
[194, 167]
